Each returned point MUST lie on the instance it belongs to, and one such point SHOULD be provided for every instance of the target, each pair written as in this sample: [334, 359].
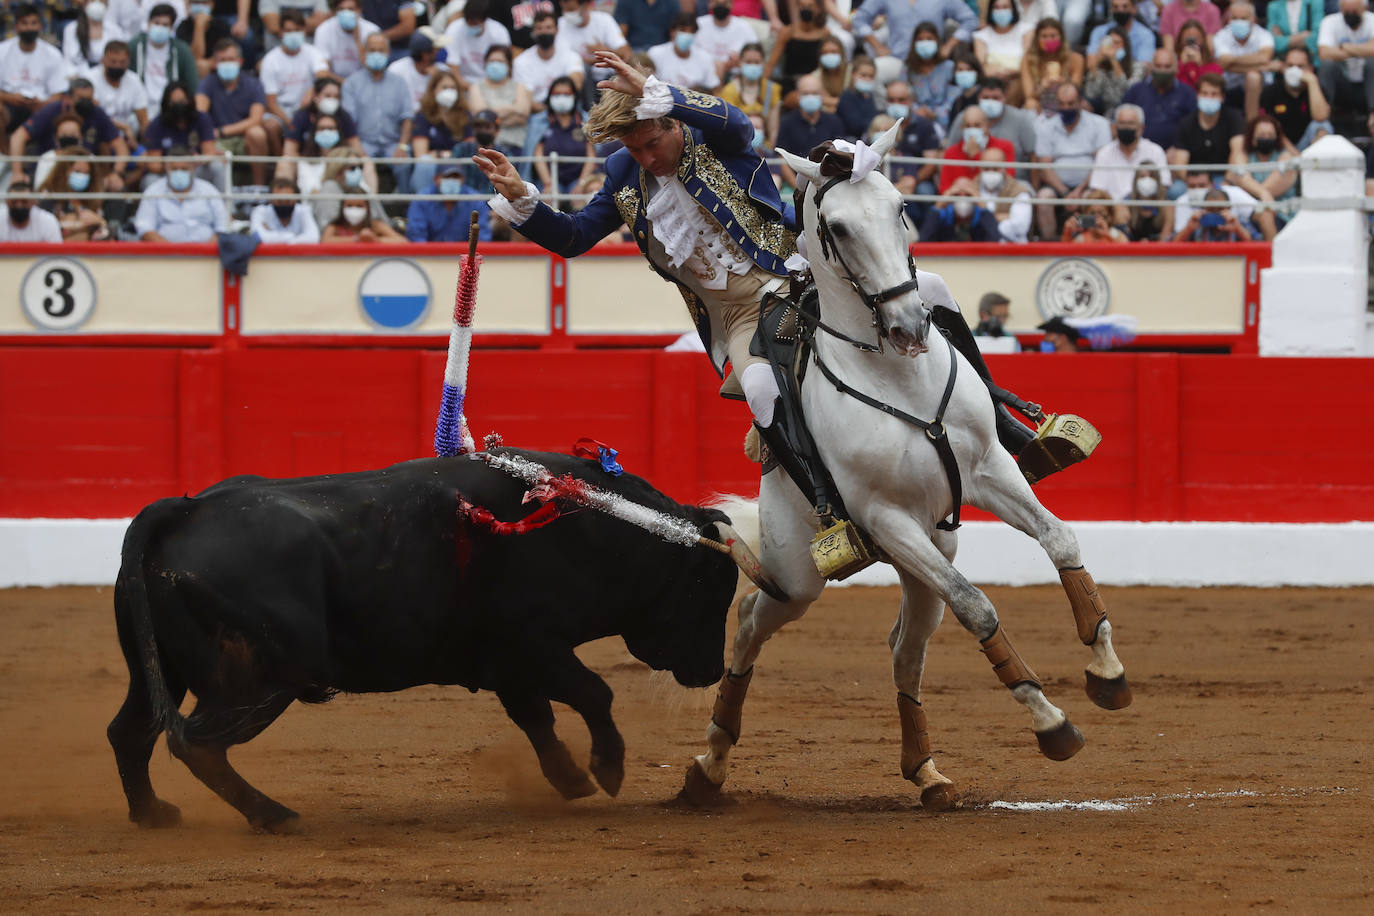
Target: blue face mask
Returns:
[159, 34]
[831, 60]
[1120, 54]
[811, 103]
[476, 30]
[1001, 18]
[78, 181]
[228, 70]
[991, 107]
[758, 137]
[683, 41]
[497, 70]
[751, 72]
[897, 110]
[326, 139]
[348, 20]
[353, 177]
[179, 179]
[966, 79]
[926, 48]
[450, 187]
[199, 9]
[375, 61]
[1208, 106]
[1241, 28]
[292, 41]
[865, 86]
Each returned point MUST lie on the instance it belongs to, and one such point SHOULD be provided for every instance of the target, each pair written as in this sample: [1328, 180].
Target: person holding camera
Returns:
[1213, 225]
[1093, 221]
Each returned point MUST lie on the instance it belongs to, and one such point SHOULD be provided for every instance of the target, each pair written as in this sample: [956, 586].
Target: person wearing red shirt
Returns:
[975, 142]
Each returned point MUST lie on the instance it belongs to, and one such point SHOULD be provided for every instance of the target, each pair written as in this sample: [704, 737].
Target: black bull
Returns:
[258, 592]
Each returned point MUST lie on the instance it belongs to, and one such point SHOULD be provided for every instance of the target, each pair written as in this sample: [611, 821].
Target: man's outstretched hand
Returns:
[626, 79]
[500, 173]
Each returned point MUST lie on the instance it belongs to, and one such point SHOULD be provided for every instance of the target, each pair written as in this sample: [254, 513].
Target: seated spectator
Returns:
[968, 81]
[22, 221]
[93, 128]
[809, 125]
[1110, 72]
[1048, 64]
[1001, 44]
[537, 67]
[1060, 336]
[119, 95]
[1296, 101]
[418, 66]
[1195, 54]
[396, 19]
[1172, 19]
[974, 142]
[1345, 42]
[341, 38]
[752, 92]
[1138, 38]
[32, 72]
[645, 22]
[1244, 52]
[180, 208]
[930, 73]
[484, 126]
[380, 104]
[357, 222]
[1130, 149]
[1265, 143]
[679, 62]
[1213, 225]
[498, 92]
[74, 173]
[1295, 31]
[961, 220]
[344, 173]
[315, 12]
[85, 37]
[159, 58]
[919, 139]
[470, 38]
[832, 70]
[1013, 210]
[306, 138]
[723, 35]
[564, 136]
[1152, 223]
[857, 107]
[439, 123]
[202, 31]
[1015, 125]
[1213, 134]
[1199, 186]
[283, 220]
[1068, 142]
[903, 19]
[1093, 221]
[1163, 98]
[447, 220]
[236, 103]
[797, 48]
[584, 31]
[994, 311]
[290, 69]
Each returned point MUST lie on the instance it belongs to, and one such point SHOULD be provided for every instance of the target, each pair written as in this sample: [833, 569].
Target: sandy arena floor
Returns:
[1240, 778]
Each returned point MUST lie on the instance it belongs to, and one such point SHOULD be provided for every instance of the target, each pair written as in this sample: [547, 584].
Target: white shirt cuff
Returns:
[516, 212]
[657, 100]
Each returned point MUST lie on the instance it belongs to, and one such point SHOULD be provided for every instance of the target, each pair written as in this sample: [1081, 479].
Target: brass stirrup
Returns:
[1062, 440]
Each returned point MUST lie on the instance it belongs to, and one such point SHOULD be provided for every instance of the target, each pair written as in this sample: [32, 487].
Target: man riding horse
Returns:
[707, 216]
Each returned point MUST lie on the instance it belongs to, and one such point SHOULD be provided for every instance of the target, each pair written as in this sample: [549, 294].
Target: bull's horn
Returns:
[744, 558]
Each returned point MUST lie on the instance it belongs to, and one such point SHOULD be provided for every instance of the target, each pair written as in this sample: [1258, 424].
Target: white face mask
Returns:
[1293, 77]
[1146, 187]
[328, 105]
[1197, 195]
[355, 215]
[95, 11]
[446, 98]
[992, 179]
[963, 208]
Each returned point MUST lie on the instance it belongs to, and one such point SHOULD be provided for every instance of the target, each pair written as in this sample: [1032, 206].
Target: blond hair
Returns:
[614, 116]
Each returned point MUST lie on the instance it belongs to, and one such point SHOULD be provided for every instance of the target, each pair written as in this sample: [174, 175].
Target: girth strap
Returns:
[935, 429]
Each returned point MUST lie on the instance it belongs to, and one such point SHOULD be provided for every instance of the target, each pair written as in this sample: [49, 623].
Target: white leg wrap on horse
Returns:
[760, 391]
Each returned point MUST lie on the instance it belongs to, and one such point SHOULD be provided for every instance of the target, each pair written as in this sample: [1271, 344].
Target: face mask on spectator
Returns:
[898, 110]
[810, 103]
[1197, 195]
[865, 86]
[115, 74]
[721, 11]
[1293, 76]
[577, 20]
[292, 41]
[975, 137]
[1049, 45]
[200, 9]
[683, 41]
[326, 139]
[497, 70]
[991, 107]
[348, 20]
[1001, 18]
[353, 177]
[355, 215]
[27, 36]
[562, 104]
[159, 34]
[1240, 28]
[78, 181]
[475, 31]
[375, 61]
[284, 212]
[450, 186]
[1069, 116]
[179, 179]
[965, 79]
[992, 179]
[545, 39]
[1127, 135]
[180, 112]
[963, 208]
[227, 70]
[1146, 187]
[484, 137]
[1354, 20]
[95, 11]
[66, 141]
[446, 97]
[926, 48]
[758, 137]
[1163, 79]
[328, 105]
[831, 60]
[1121, 19]
[1208, 106]
[19, 215]
[1265, 146]
[1120, 54]
[807, 15]
[751, 72]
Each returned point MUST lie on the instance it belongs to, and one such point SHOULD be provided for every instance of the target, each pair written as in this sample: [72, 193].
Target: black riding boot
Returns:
[956, 329]
[780, 453]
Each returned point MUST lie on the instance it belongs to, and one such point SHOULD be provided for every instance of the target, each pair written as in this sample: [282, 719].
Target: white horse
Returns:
[895, 486]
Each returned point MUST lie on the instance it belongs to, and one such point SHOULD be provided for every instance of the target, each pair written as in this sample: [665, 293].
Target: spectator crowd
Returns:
[1076, 121]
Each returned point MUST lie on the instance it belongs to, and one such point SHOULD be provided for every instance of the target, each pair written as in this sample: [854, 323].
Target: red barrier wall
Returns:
[101, 431]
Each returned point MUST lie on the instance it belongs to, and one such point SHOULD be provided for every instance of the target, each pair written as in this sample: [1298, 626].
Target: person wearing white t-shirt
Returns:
[1244, 50]
[723, 35]
[23, 221]
[679, 62]
[417, 67]
[1344, 42]
[289, 70]
[120, 95]
[584, 31]
[82, 56]
[470, 37]
[284, 220]
[32, 72]
[1131, 148]
[537, 67]
[1001, 43]
[340, 38]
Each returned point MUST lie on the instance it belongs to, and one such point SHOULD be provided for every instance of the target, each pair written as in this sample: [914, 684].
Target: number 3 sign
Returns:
[58, 294]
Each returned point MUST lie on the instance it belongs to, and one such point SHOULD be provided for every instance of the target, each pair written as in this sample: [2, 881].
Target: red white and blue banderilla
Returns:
[451, 436]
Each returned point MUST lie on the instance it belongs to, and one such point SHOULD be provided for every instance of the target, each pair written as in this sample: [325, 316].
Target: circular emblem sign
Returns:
[394, 294]
[57, 294]
[1073, 288]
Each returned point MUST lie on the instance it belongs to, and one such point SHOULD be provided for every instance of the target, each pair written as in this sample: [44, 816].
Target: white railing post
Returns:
[553, 179]
[1313, 299]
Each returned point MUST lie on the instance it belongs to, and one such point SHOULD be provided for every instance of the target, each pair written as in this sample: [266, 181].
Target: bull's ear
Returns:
[887, 139]
[802, 166]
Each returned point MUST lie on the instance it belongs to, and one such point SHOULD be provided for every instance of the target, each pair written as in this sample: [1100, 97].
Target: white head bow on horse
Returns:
[884, 388]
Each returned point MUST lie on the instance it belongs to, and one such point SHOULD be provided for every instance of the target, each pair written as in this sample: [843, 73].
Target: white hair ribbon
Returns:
[865, 158]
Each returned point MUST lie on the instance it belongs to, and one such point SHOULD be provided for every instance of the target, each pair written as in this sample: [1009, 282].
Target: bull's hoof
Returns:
[159, 815]
[574, 787]
[939, 797]
[609, 774]
[1060, 743]
[278, 820]
[1109, 694]
[700, 792]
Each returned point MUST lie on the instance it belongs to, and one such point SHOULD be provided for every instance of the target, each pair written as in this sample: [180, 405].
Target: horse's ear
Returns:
[888, 139]
[801, 165]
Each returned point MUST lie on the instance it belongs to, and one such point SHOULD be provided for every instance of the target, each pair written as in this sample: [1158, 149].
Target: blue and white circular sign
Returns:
[394, 294]
[58, 294]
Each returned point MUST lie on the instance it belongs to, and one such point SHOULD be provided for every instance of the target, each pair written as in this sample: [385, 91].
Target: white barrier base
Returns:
[46, 552]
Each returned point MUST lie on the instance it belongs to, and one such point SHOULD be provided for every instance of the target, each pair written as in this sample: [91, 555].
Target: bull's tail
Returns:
[132, 584]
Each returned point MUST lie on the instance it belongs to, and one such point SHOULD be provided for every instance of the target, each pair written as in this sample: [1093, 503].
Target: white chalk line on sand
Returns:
[1133, 802]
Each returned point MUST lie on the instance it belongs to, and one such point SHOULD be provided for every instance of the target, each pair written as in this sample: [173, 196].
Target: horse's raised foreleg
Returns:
[1000, 489]
[920, 615]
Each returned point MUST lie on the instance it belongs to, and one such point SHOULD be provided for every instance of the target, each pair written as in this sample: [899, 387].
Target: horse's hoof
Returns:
[158, 816]
[572, 789]
[609, 774]
[698, 791]
[939, 797]
[284, 822]
[1060, 743]
[1112, 693]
